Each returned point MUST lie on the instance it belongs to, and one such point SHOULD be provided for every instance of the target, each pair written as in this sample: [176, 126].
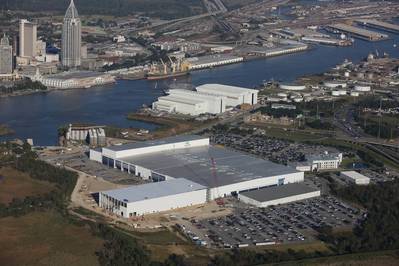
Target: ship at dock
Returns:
[175, 68]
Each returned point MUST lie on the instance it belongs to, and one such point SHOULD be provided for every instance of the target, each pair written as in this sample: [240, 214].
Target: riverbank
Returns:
[169, 126]
[5, 130]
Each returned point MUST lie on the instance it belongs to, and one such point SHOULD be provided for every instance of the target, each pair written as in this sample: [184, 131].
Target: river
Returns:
[38, 116]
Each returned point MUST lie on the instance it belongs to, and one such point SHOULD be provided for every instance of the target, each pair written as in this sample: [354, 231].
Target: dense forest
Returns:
[385, 126]
[166, 9]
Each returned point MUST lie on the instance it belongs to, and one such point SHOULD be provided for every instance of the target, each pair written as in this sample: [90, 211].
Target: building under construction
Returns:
[93, 135]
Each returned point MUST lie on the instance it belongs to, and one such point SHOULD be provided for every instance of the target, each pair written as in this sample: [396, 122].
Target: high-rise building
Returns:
[27, 38]
[71, 38]
[6, 64]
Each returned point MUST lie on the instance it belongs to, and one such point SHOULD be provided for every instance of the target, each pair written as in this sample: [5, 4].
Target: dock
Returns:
[359, 32]
[373, 23]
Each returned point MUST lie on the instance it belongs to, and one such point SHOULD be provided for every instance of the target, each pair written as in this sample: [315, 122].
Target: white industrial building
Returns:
[276, 195]
[152, 197]
[325, 161]
[235, 95]
[190, 102]
[222, 172]
[208, 98]
[209, 61]
[355, 178]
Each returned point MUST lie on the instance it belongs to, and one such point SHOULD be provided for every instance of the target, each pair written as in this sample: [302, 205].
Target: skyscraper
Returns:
[6, 65]
[71, 38]
[27, 38]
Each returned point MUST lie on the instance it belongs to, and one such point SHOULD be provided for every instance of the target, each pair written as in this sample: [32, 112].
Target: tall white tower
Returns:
[71, 38]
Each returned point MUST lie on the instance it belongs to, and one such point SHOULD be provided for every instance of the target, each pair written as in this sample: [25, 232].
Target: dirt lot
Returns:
[169, 126]
[85, 186]
[15, 184]
[45, 238]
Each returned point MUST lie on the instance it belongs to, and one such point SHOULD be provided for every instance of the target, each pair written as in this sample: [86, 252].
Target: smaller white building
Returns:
[276, 195]
[152, 197]
[325, 161]
[356, 178]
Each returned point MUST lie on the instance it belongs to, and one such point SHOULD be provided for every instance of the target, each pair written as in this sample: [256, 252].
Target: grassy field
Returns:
[46, 238]
[294, 135]
[15, 184]
[386, 258]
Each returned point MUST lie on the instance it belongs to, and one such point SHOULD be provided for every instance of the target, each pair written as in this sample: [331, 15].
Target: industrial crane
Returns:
[219, 201]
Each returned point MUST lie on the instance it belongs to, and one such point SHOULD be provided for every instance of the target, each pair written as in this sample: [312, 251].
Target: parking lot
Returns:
[278, 151]
[294, 222]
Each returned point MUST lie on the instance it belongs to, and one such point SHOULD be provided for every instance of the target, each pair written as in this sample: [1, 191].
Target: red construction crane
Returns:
[219, 201]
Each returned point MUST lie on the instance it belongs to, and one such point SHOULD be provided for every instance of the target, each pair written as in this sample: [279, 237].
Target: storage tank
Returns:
[355, 93]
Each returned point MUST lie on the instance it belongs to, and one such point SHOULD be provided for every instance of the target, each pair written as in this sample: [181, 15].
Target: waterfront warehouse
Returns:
[190, 102]
[207, 98]
[210, 61]
[74, 79]
[235, 95]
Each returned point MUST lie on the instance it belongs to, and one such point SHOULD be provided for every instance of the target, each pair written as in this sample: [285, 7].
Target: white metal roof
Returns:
[149, 143]
[355, 175]
[224, 89]
[154, 190]
[181, 99]
[196, 164]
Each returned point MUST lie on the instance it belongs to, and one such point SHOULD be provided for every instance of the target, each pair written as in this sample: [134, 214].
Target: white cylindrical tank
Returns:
[281, 94]
[355, 93]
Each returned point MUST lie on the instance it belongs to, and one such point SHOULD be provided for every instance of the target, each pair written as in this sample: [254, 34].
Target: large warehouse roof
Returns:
[154, 190]
[196, 164]
[224, 89]
[278, 192]
[144, 144]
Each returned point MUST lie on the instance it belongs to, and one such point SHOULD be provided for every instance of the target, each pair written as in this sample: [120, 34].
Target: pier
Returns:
[359, 32]
[379, 25]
